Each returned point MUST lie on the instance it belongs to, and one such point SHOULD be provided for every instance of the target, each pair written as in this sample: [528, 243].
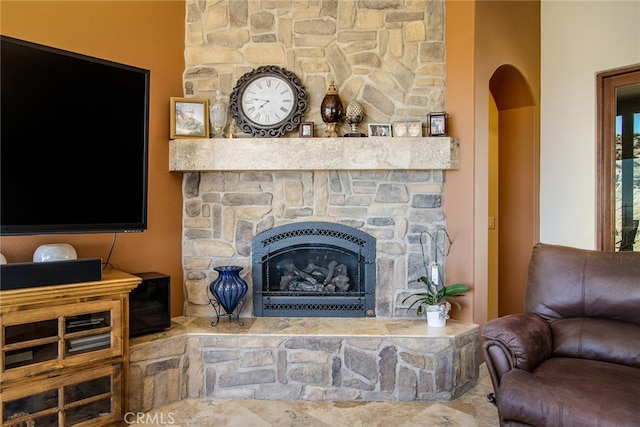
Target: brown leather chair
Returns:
[573, 357]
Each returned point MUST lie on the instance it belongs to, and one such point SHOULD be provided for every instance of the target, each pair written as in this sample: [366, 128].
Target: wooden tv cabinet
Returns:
[65, 353]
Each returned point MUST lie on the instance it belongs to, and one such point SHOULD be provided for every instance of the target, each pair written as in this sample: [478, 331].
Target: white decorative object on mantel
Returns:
[313, 154]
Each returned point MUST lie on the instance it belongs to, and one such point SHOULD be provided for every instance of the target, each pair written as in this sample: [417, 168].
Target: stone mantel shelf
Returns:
[313, 154]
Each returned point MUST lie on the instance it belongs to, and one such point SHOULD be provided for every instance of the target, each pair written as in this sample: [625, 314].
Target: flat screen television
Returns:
[73, 142]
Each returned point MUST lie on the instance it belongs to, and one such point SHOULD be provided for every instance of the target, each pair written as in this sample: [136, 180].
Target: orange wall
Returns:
[146, 34]
[459, 187]
[481, 37]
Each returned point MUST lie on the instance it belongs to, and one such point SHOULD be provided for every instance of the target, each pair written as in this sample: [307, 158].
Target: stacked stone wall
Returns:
[424, 365]
[224, 210]
[389, 55]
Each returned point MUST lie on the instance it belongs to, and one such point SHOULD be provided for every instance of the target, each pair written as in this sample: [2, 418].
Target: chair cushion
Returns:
[599, 339]
[571, 392]
[568, 282]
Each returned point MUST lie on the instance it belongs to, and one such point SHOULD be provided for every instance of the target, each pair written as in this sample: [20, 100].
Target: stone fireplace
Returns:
[313, 269]
[388, 188]
[390, 57]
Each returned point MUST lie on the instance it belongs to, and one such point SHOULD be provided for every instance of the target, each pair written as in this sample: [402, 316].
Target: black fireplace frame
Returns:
[351, 304]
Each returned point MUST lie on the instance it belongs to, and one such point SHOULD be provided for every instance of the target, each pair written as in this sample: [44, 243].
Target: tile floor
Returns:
[471, 410]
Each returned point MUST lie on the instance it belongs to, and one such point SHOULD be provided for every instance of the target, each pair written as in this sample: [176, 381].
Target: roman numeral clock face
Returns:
[268, 101]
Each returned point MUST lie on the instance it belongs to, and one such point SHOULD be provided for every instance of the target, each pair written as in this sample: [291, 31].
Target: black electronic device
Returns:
[73, 142]
[35, 274]
[150, 304]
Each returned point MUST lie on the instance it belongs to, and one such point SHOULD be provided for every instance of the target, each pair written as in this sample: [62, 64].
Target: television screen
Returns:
[73, 142]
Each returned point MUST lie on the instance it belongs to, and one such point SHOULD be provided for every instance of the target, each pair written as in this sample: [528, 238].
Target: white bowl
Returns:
[54, 252]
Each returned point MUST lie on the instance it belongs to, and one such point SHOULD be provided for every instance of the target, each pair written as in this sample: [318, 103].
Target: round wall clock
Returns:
[268, 102]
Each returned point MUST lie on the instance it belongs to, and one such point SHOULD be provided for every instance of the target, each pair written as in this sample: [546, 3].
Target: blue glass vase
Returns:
[229, 288]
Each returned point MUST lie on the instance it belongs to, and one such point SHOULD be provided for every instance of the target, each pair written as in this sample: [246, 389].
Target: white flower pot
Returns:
[437, 315]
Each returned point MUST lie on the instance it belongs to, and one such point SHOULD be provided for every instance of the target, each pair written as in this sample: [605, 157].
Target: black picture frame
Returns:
[438, 124]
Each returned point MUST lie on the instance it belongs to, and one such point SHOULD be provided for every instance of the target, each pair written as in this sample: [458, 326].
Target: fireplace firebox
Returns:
[314, 269]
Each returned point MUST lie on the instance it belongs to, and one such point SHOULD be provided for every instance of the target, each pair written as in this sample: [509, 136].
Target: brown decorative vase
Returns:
[331, 110]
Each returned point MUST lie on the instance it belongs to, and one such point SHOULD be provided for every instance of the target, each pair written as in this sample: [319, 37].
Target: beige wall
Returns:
[147, 34]
[579, 39]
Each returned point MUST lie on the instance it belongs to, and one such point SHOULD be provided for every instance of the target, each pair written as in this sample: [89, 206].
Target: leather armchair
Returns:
[573, 357]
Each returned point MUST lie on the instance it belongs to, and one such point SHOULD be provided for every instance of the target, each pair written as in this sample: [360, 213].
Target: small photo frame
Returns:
[189, 118]
[306, 130]
[409, 129]
[400, 129]
[379, 129]
[414, 129]
[438, 124]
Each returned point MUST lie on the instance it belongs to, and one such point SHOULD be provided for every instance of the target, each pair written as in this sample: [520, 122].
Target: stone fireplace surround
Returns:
[236, 188]
[390, 56]
[233, 189]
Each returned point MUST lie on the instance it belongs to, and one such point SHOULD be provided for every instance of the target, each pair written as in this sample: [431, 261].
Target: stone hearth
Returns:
[360, 359]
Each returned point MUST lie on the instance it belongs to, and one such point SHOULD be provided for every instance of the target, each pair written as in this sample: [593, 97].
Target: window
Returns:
[619, 159]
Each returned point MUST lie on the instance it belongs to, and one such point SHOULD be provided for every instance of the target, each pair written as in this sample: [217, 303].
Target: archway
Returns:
[514, 189]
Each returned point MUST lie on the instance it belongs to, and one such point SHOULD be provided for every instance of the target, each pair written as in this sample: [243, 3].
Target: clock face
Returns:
[268, 100]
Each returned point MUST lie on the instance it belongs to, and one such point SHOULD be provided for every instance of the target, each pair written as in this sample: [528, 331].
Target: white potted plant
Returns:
[435, 301]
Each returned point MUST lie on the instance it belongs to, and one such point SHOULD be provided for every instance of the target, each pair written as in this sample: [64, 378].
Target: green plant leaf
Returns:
[456, 289]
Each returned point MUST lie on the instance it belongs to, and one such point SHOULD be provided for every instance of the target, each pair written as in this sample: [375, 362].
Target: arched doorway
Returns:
[513, 189]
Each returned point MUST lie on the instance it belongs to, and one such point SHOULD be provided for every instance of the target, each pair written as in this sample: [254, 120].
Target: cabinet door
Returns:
[39, 340]
[86, 398]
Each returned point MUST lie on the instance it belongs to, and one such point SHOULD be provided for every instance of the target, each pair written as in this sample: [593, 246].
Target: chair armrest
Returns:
[520, 341]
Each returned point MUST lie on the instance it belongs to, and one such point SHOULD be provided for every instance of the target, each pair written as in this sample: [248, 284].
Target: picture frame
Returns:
[189, 117]
[438, 124]
[379, 129]
[400, 129]
[407, 129]
[306, 129]
[414, 129]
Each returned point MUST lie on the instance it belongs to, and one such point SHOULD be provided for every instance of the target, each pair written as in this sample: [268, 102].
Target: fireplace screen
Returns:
[314, 269]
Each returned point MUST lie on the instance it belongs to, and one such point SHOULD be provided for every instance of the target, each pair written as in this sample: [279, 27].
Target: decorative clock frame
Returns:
[290, 122]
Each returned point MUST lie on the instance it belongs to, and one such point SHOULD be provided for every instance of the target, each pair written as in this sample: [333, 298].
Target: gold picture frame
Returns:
[189, 118]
